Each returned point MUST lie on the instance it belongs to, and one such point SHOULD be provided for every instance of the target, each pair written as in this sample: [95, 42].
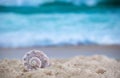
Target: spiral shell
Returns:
[35, 59]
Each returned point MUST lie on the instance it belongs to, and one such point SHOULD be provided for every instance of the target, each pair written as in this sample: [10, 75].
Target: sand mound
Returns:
[77, 67]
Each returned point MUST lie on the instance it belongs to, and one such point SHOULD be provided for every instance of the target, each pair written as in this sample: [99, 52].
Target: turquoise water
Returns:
[61, 27]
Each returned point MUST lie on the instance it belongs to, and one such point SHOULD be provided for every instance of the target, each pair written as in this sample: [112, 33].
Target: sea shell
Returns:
[35, 59]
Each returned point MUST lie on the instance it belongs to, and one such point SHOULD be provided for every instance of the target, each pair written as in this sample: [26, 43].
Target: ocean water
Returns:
[99, 27]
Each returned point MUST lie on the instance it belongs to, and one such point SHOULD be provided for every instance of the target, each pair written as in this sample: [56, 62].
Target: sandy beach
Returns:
[77, 67]
[66, 62]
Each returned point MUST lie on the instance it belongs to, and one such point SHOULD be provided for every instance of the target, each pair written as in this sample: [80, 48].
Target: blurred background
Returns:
[66, 27]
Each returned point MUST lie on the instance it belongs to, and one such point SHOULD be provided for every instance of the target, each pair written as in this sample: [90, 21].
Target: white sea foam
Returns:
[18, 30]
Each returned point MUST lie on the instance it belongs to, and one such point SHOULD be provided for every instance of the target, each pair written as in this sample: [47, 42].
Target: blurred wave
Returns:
[18, 30]
[56, 7]
[40, 2]
[26, 23]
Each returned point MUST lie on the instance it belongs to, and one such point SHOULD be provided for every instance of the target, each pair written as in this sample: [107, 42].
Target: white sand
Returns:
[78, 67]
